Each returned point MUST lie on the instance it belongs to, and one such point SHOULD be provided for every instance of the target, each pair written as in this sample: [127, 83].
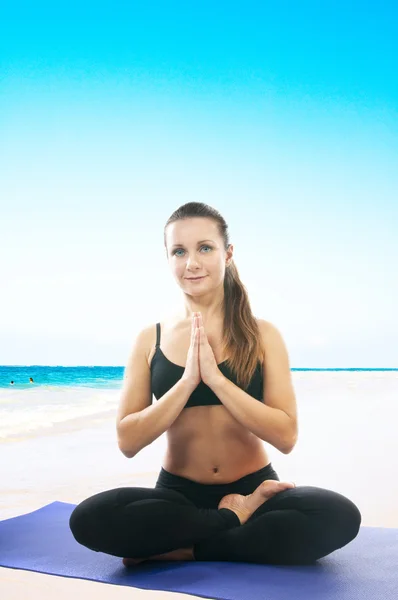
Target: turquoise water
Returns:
[90, 377]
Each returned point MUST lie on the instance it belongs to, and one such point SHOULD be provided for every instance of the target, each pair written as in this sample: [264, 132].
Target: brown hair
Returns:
[241, 339]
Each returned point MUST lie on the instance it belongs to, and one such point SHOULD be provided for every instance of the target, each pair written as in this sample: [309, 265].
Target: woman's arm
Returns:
[139, 429]
[269, 424]
[275, 421]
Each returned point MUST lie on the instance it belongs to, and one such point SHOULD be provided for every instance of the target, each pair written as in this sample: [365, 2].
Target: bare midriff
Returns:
[206, 443]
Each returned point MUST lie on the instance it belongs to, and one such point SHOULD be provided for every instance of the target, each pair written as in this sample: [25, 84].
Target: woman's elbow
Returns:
[127, 453]
[126, 449]
[289, 444]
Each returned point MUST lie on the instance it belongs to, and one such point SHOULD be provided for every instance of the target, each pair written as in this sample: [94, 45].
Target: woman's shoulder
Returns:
[267, 327]
[166, 321]
[169, 324]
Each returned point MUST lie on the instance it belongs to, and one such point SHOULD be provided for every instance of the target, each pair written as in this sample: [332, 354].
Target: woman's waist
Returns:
[217, 463]
[208, 495]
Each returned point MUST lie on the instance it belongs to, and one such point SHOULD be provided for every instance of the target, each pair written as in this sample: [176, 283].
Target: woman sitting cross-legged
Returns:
[223, 386]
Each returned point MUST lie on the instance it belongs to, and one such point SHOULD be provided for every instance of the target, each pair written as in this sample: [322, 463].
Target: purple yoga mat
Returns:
[365, 569]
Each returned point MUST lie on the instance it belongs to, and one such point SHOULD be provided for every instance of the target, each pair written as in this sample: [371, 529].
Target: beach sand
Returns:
[347, 443]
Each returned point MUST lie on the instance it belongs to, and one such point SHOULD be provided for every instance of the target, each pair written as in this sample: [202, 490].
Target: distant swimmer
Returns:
[31, 380]
[11, 382]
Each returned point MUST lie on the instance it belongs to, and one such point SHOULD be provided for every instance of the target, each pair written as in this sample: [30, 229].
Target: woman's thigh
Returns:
[141, 522]
[126, 495]
[102, 505]
[310, 500]
[105, 515]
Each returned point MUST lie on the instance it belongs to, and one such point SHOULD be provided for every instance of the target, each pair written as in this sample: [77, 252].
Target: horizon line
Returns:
[292, 368]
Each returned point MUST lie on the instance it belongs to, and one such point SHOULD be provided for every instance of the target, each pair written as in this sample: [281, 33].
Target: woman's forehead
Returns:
[192, 230]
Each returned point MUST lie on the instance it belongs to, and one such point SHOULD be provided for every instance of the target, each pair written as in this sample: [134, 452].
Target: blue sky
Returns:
[283, 116]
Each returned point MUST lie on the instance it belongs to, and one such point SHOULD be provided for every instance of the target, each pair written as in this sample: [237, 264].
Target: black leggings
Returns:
[296, 526]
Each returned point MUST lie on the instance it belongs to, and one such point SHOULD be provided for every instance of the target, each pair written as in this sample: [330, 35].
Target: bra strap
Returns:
[157, 335]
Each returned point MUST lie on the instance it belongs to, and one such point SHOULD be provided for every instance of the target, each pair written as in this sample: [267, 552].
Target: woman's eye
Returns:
[181, 250]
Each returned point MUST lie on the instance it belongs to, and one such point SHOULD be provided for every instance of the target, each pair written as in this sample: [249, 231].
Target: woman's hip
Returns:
[208, 495]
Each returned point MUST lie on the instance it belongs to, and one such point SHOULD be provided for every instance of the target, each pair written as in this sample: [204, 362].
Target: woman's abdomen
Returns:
[206, 444]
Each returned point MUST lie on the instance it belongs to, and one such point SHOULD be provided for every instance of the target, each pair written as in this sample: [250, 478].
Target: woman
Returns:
[223, 384]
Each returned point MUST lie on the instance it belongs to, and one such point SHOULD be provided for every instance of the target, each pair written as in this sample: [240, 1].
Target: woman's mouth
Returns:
[196, 278]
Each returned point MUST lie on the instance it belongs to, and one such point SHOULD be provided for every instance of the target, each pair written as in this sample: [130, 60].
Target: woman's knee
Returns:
[338, 520]
[342, 509]
[93, 515]
[82, 524]
[347, 518]
[335, 519]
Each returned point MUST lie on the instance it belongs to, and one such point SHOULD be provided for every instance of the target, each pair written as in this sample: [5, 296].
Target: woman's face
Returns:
[195, 249]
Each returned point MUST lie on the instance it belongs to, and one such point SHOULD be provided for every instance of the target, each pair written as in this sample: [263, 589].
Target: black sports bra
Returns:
[165, 374]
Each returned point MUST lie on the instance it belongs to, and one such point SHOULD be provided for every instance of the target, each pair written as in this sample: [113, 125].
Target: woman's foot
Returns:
[180, 554]
[244, 506]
